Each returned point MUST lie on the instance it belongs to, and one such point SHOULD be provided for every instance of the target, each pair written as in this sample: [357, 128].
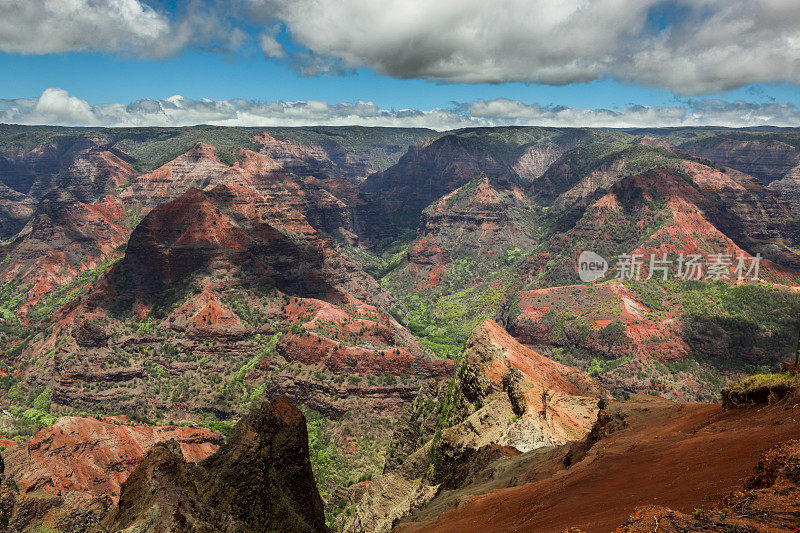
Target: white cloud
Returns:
[57, 107]
[269, 44]
[116, 26]
[688, 46]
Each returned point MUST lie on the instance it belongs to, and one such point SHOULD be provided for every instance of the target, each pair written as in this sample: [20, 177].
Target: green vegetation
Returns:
[341, 466]
[750, 325]
[35, 416]
[758, 381]
[253, 317]
[762, 388]
[43, 312]
[148, 148]
[650, 293]
[224, 427]
[12, 296]
[443, 321]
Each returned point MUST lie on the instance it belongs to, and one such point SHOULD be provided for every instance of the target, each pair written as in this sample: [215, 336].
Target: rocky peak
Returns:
[90, 170]
[494, 354]
[72, 470]
[427, 172]
[509, 395]
[260, 480]
[504, 399]
[198, 168]
[549, 403]
[232, 227]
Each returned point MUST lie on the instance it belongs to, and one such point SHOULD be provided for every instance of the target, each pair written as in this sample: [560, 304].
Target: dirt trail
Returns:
[682, 456]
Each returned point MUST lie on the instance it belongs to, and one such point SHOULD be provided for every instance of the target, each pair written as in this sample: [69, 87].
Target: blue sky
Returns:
[409, 55]
[103, 78]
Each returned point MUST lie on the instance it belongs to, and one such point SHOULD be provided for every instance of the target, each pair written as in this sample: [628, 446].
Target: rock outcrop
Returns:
[91, 169]
[260, 480]
[647, 451]
[67, 475]
[504, 400]
[509, 395]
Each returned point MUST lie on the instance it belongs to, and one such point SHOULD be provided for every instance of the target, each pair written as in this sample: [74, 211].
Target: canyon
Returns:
[414, 293]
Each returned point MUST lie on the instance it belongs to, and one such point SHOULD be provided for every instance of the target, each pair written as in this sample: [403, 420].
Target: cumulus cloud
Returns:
[269, 44]
[57, 107]
[124, 26]
[687, 46]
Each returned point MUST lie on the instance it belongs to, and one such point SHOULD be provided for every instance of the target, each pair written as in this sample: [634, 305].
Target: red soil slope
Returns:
[682, 456]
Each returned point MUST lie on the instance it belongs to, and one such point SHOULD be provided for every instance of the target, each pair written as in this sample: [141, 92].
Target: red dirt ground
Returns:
[682, 456]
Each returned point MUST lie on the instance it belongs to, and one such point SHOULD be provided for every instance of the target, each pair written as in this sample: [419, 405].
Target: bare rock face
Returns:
[92, 169]
[483, 218]
[88, 169]
[505, 399]
[536, 160]
[764, 159]
[426, 173]
[70, 473]
[197, 168]
[232, 225]
[296, 158]
[509, 395]
[63, 238]
[261, 480]
[15, 209]
[789, 188]
[89, 335]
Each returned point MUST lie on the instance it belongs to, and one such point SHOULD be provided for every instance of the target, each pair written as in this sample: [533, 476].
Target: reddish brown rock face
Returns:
[480, 222]
[231, 226]
[81, 462]
[64, 238]
[426, 173]
[764, 159]
[553, 403]
[198, 168]
[260, 480]
[88, 170]
[296, 158]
